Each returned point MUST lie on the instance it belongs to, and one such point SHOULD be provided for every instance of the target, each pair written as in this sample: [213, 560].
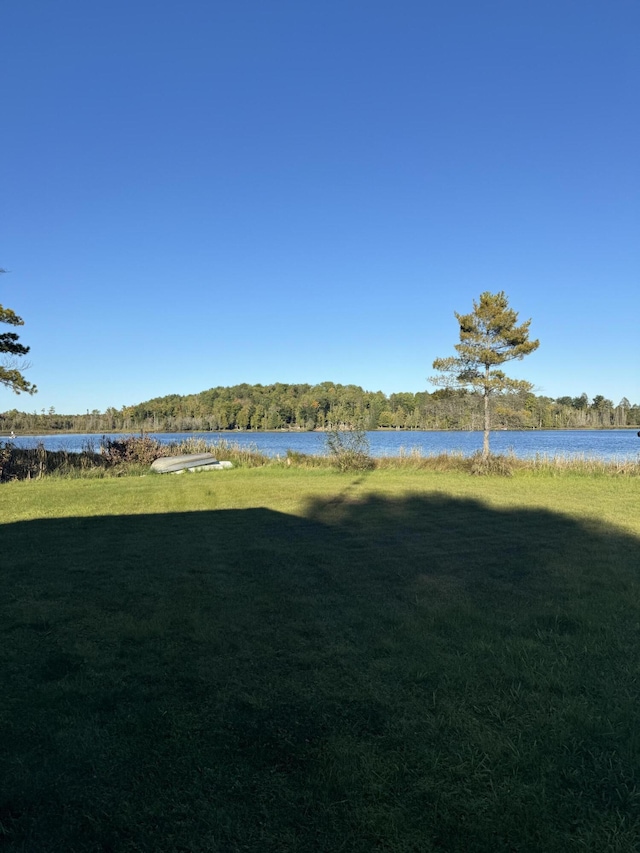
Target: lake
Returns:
[600, 444]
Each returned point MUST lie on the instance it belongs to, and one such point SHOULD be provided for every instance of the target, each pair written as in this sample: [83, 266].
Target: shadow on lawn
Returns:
[402, 675]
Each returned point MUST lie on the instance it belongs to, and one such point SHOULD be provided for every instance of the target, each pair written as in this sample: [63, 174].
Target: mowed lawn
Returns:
[290, 660]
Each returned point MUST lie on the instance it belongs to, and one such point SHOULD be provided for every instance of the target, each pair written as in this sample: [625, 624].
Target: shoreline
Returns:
[230, 432]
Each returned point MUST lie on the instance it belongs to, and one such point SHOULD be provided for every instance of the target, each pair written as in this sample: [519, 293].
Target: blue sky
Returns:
[205, 193]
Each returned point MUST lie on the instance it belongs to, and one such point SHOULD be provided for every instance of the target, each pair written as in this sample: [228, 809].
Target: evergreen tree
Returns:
[12, 351]
[489, 337]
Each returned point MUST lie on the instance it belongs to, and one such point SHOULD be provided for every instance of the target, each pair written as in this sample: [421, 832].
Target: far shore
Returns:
[47, 432]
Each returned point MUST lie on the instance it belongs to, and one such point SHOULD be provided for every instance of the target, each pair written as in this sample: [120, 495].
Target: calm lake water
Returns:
[601, 444]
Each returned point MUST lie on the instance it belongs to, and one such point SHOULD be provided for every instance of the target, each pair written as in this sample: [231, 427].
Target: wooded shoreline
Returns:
[309, 408]
[4, 435]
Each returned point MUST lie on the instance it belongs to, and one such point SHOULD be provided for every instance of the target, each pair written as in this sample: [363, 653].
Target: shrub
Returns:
[5, 459]
[349, 449]
[142, 450]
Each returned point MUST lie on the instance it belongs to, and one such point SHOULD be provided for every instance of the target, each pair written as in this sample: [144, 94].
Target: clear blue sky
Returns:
[204, 193]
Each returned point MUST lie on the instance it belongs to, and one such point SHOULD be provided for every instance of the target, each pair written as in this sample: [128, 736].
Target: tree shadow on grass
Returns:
[401, 675]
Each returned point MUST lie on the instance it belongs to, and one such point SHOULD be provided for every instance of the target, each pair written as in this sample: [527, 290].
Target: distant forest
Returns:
[327, 405]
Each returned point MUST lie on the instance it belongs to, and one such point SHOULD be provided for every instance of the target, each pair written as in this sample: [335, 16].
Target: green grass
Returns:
[273, 659]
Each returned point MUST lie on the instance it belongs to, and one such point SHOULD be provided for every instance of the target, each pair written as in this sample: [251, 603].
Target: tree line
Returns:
[329, 405]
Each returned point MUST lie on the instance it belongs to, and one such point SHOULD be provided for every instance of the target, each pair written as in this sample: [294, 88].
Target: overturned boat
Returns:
[188, 462]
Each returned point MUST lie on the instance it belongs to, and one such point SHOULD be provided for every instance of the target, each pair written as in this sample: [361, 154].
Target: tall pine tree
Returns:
[11, 351]
[489, 336]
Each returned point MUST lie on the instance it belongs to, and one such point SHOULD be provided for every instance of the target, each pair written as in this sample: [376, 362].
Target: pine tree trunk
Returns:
[487, 418]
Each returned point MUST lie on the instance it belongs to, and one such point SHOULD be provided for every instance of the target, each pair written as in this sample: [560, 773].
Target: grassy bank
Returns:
[275, 659]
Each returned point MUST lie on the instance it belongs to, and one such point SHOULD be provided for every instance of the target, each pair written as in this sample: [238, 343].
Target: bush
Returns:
[141, 450]
[5, 459]
[349, 449]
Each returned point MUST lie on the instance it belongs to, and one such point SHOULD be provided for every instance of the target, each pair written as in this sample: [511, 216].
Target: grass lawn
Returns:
[279, 660]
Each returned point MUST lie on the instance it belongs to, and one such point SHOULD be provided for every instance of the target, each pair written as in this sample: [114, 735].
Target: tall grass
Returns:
[18, 463]
[583, 465]
[244, 456]
[509, 464]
